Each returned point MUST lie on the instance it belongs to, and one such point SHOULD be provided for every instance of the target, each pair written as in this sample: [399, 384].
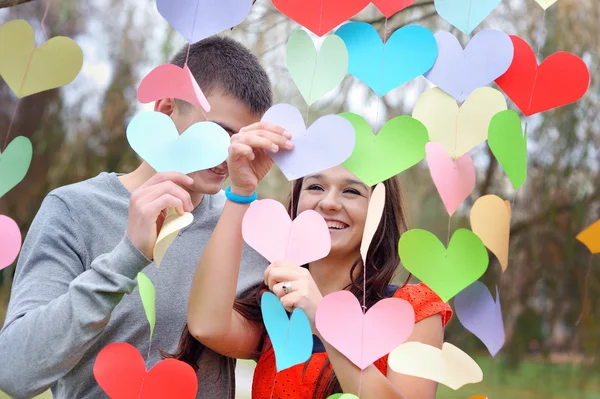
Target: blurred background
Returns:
[79, 130]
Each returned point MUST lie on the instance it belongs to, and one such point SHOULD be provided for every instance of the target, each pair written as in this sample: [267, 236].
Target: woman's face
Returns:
[342, 200]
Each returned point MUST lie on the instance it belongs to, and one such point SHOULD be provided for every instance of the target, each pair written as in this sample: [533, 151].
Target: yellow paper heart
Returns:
[458, 130]
[28, 70]
[490, 220]
[545, 3]
[590, 237]
[171, 226]
[449, 366]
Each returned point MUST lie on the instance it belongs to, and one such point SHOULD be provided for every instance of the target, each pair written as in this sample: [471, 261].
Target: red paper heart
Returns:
[120, 371]
[561, 79]
[169, 80]
[320, 16]
[390, 7]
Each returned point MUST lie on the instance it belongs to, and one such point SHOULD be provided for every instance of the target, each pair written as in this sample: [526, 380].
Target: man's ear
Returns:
[165, 105]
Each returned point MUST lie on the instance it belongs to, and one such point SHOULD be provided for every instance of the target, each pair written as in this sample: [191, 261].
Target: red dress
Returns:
[296, 382]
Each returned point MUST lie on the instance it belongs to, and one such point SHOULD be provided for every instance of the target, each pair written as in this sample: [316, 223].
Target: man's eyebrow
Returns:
[225, 127]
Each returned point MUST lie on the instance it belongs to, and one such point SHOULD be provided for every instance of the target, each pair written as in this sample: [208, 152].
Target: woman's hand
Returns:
[248, 161]
[303, 292]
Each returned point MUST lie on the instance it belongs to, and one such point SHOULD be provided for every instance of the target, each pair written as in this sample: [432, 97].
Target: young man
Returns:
[89, 240]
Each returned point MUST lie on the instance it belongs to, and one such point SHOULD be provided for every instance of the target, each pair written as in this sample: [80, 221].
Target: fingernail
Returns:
[288, 144]
[274, 147]
[190, 180]
[287, 134]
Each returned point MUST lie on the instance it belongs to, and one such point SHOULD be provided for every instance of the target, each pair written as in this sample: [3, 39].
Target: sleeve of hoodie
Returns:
[57, 308]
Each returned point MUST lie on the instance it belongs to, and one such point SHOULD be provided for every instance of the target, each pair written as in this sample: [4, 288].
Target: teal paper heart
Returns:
[465, 15]
[14, 163]
[154, 137]
[291, 337]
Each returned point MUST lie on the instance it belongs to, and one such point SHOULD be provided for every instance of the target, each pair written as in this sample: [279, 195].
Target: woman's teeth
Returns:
[336, 225]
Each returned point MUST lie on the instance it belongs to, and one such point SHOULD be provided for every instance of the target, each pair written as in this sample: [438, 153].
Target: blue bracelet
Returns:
[239, 198]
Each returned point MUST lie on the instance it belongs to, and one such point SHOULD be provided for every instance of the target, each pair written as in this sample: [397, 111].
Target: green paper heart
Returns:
[315, 74]
[14, 163]
[509, 145]
[399, 145]
[148, 295]
[446, 272]
[343, 396]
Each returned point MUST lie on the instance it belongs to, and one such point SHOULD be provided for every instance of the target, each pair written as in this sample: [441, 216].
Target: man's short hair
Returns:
[221, 63]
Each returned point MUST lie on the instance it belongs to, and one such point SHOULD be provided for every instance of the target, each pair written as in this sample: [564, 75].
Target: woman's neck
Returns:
[332, 273]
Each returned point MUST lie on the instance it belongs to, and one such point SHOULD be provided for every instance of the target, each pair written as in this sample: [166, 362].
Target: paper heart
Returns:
[390, 7]
[374, 213]
[465, 15]
[509, 145]
[328, 142]
[454, 179]
[291, 337]
[320, 16]
[315, 74]
[449, 366]
[343, 396]
[590, 237]
[458, 72]
[399, 145]
[148, 297]
[364, 337]
[267, 228]
[545, 3]
[408, 53]
[171, 226]
[480, 314]
[198, 19]
[458, 130]
[14, 163]
[10, 241]
[28, 70]
[561, 79]
[154, 137]
[490, 220]
[166, 81]
[120, 371]
[446, 272]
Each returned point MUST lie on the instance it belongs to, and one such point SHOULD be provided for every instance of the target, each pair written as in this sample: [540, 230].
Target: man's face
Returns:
[228, 112]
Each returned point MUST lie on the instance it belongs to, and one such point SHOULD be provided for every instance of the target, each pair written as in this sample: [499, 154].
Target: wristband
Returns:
[239, 198]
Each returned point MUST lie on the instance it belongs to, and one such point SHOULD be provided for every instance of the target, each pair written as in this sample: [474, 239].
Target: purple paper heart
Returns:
[478, 313]
[199, 19]
[458, 72]
[328, 142]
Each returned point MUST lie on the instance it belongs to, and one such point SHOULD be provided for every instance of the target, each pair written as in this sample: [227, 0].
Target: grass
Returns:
[533, 380]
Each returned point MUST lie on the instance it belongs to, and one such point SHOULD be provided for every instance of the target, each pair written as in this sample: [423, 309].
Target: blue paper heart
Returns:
[154, 137]
[410, 52]
[291, 337]
[465, 15]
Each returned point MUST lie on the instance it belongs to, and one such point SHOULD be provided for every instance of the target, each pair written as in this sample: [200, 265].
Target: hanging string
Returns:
[385, 33]
[12, 119]
[192, 32]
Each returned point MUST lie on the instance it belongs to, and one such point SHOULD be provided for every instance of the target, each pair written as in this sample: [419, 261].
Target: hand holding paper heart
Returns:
[449, 366]
[364, 337]
[328, 142]
[267, 228]
[171, 226]
[28, 70]
[121, 372]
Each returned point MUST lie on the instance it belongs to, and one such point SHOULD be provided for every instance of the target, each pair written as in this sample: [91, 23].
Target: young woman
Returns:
[234, 327]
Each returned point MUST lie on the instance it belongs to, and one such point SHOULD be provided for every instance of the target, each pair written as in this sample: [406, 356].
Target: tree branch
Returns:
[10, 3]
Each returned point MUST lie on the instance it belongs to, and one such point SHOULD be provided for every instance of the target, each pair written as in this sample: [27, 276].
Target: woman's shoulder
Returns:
[424, 301]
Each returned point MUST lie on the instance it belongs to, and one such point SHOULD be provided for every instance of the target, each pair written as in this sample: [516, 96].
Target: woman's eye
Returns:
[352, 191]
[314, 187]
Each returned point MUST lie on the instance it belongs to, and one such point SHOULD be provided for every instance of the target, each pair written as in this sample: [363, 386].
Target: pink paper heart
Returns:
[454, 179]
[267, 228]
[10, 241]
[166, 81]
[341, 322]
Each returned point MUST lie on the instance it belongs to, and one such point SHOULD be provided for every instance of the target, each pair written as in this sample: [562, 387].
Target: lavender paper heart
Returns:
[199, 19]
[459, 72]
[328, 142]
[480, 314]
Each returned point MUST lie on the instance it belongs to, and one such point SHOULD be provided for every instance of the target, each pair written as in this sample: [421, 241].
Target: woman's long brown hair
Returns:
[382, 264]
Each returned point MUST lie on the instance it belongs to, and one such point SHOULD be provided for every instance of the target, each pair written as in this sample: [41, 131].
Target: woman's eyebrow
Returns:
[357, 182]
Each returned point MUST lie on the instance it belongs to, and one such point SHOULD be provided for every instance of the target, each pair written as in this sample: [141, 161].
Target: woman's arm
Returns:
[210, 315]
[376, 385]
